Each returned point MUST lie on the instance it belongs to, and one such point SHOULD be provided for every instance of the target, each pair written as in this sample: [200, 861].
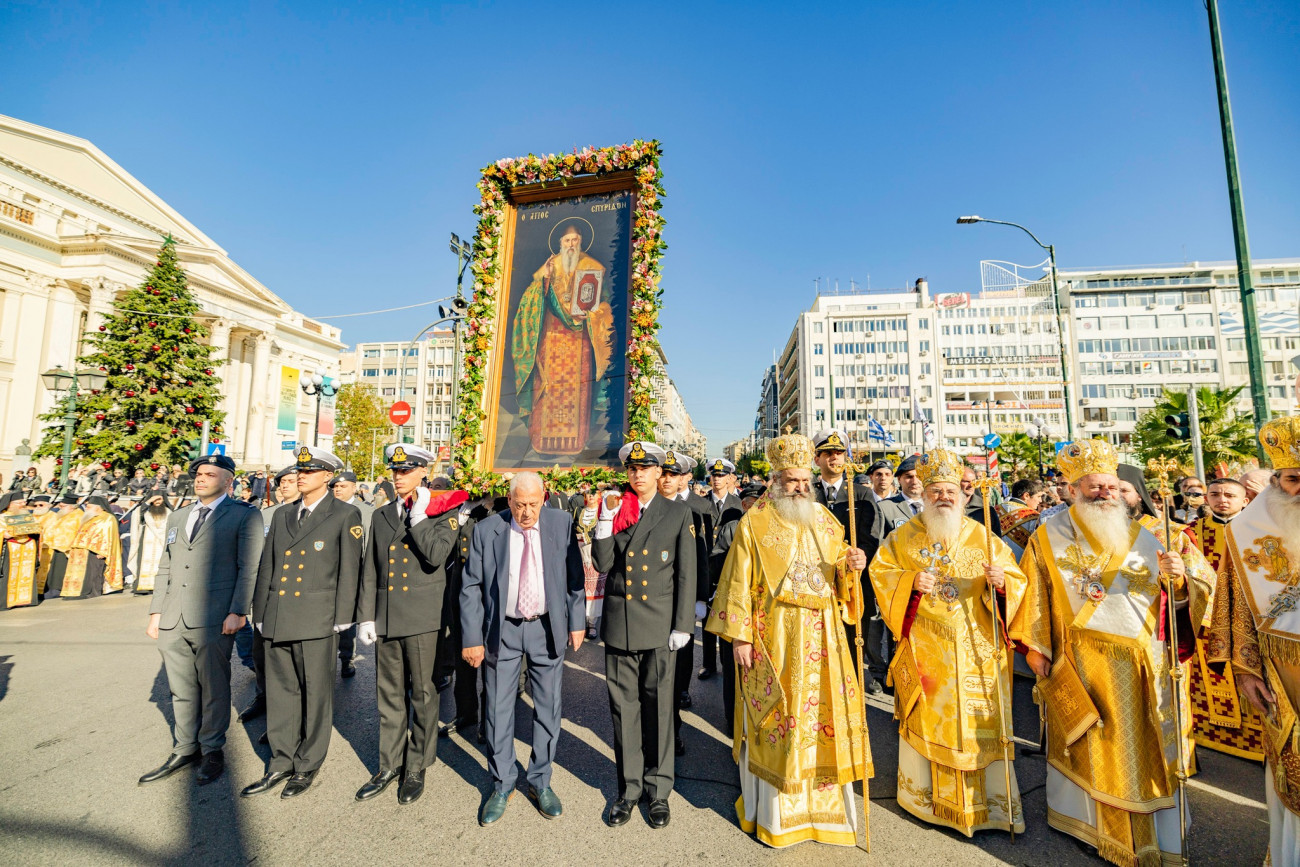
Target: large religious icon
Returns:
[559, 366]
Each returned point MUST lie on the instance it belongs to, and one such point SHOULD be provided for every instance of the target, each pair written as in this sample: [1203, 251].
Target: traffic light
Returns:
[1178, 426]
[192, 448]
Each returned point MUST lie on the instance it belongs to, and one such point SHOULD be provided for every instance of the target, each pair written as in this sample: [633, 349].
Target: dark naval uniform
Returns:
[403, 586]
[306, 591]
[649, 594]
[717, 514]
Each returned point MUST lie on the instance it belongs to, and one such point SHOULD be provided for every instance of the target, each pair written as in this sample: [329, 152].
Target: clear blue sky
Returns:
[331, 152]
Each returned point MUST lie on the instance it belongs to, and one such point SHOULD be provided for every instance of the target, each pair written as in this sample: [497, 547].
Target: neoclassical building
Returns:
[76, 230]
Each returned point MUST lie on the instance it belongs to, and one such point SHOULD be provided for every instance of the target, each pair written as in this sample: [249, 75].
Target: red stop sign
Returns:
[399, 413]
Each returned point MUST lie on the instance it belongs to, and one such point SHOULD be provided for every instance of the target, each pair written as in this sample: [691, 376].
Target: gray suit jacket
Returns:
[201, 582]
[893, 512]
[486, 583]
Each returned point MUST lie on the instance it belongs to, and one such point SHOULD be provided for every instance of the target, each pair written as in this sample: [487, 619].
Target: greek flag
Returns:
[876, 431]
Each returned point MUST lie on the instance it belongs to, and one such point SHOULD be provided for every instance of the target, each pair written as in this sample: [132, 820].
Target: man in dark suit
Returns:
[522, 597]
[403, 586]
[467, 691]
[306, 594]
[673, 484]
[344, 486]
[724, 506]
[975, 505]
[645, 544]
[909, 486]
[831, 455]
[202, 594]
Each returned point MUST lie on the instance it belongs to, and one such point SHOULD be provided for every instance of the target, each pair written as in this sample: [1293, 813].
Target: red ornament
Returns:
[139, 447]
[156, 348]
[153, 465]
[153, 389]
[214, 439]
[175, 431]
[208, 371]
[130, 423]
[153, 324]
[102, 367]
[189, 409]
[59, 461]
[108, 465]
[103, 328]
[130, 393]
[187, 382]
[187, 331]
[99, 416]
[130, 367]
[176, 349]
[173, 297]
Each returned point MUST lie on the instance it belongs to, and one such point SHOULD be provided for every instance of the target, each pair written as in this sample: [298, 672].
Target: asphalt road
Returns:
[84, 711]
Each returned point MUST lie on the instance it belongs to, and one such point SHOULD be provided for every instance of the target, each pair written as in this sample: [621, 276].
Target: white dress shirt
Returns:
[194, 514]
[516, 565]
[301, 506]
[832, 491]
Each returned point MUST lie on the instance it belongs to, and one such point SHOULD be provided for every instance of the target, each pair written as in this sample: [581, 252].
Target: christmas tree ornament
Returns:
[156, 348]
[108, 465]
[188, 382]
[103, 328]
[175, 431]
[99, 416]
[153, 324]
[157, 413]
[153, 465]
[139, 447]
[59, 461]
[130, 423]
[187, 330]
[130, 393]
[189, 410]
[130, 367]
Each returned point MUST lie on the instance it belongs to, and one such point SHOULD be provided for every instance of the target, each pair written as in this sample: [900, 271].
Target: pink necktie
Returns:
[528, 603]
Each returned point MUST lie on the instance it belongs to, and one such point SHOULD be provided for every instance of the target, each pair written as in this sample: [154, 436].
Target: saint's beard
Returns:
[795, 509]
[569, 260]
[1283, 508]
[1107, 520]
[942, 521]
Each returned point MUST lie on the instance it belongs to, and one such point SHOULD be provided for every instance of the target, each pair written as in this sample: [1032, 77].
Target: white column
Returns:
[102, 293]
[259, 401]
[219, 340]
[237, 389]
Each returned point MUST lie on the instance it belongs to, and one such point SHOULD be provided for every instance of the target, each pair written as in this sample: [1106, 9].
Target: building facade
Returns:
[674, 429]
[77, 231]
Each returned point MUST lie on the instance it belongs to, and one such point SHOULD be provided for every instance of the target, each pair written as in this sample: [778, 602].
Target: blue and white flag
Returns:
[876, 431]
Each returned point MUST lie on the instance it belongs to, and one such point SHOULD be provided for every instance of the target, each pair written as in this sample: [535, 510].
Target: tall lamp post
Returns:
[1060, 314]
[346, 448]
[59, 380]
[316, 386]
[1039, 430]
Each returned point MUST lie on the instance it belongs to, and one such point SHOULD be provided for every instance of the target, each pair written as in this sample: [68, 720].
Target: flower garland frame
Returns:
[495, 185]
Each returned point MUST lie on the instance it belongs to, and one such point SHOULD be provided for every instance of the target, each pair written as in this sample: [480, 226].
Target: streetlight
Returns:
[316, 386]
[59, 380]
[1039, 430]
[1056, 303]
[346, 448]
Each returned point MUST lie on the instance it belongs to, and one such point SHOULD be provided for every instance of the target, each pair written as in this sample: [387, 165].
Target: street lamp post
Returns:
[316, 386]
[59, 380]
[1060, 314]
[1039, 430]
[346, 448]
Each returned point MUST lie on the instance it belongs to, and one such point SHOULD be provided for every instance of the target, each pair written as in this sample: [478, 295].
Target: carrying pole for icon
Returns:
[1161, 467]
[984, 483]
[850, 469]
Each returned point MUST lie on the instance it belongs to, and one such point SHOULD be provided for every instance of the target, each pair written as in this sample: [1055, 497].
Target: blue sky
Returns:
[331, 149]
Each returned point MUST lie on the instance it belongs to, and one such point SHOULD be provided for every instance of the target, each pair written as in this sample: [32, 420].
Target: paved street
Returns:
[84, 707]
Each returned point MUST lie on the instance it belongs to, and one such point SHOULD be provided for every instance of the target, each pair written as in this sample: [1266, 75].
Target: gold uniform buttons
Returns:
[302, 553]
[643, 568]
[284, 579]
[404, 560]
[281, 592]
[296, 593]
[288, 553]
[403, 575]
[629, 596]
[644, 552]
[300, 580]
[403, 586]
[299, 565]
[631, 554]
[645, 583]
[407, 547]
[286, 565]
[392, 547]
[390, 586]
[629, 568]
[390, 575]
[391, 560]
[643, 598]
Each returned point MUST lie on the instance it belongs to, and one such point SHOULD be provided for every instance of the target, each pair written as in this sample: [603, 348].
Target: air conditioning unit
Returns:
[1152, 306]
[924, 353]
[1181, 307]
[922, 376]
[1083, 401]
[889, 355]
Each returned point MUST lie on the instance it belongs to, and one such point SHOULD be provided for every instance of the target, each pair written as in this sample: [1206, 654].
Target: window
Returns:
[1277, 391]
[1175, 321]
[1142, 322]
[819, 393]
[390, 371]
[817, 328]
[1236, 344]
[819, 370]
[1239, 368]
[370, 371]
[1118, 323]
[1200, 320]
[370, 353]
[818, 349]
[1123, 413]
[1090, 346]
[411, 352]
[1093, 391]
[820, 415]
[390, 352]
[1089, 323]
[1115, 300]
[1085, 300]
[1270, 343]
[388, 392]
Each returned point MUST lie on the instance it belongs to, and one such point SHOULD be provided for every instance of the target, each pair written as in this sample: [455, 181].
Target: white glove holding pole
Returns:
[366, 632]
[342, 627]
[258, 627]
[701, 610]
[678, 640]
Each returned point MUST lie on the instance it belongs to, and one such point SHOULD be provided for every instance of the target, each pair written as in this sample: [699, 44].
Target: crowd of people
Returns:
[1152, 627]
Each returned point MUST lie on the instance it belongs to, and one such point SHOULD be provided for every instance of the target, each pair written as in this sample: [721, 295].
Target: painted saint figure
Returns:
[562, 342]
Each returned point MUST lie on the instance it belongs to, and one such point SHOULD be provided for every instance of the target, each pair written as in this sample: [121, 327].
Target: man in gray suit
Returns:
[523, 590]
[344, 487]
[202, 595]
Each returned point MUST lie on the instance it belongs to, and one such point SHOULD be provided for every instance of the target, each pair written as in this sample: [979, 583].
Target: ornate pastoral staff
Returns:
[984, 483]
[850, 470]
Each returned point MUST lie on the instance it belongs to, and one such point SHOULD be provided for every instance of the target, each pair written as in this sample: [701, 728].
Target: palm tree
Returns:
[1018, 455]
[1227, 438]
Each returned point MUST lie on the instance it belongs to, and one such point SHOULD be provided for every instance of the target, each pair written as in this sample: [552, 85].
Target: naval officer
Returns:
[306, 594]
[646, 545]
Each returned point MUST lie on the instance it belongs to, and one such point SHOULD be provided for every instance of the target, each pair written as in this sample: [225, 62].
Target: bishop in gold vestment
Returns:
[952, 703]
[789, 585]
[95, 559]
[1256, 628]
[1094, 616]
[20, 551]
[562, 344]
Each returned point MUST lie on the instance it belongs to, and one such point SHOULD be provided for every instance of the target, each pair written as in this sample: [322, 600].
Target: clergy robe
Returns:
[59, 538]
[1102, 608]
[95, 559]
[800, 739]
[20, 547]
[952, 702]
[1256, 630]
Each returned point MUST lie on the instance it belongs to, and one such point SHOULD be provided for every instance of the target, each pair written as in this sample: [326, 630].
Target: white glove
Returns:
[366, 632]
[258, 627]
[420, 506]
[678, 640]
[341, 627]
[701, 610]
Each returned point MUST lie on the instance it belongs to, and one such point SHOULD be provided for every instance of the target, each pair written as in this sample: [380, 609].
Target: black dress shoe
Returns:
[173, 764]
[481, 739]
[254, 710]
[456, 725]
[706, 673]
[874, 687]
[679, 745]
[377, 784]
[620, 812]
[412, 788]
[659, 814]
[349, 668]
[212, 766]
[264, 739]
[268, 782]
[298, 784]
[683, 700]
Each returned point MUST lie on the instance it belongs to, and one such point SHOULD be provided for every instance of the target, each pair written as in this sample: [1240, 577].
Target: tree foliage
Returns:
[161, 379]
[1018, 455]
[361, 418]
[1227, 437]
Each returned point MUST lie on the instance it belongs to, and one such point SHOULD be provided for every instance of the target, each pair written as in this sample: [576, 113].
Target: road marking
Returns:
[1228, 796]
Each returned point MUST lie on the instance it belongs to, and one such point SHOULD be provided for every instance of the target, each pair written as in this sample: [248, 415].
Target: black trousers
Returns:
[299, 702]
[641, 702]
[348, 643]
[709, 655]
[408, 702]
[728, 685]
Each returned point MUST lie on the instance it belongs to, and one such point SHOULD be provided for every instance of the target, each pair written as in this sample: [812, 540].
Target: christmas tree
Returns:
[161, 381]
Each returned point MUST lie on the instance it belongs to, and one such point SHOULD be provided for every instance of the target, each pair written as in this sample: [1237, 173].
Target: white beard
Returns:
[1108, 520]
[569, 260]
[794, 510]
[942, 522]
[1283, 508]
